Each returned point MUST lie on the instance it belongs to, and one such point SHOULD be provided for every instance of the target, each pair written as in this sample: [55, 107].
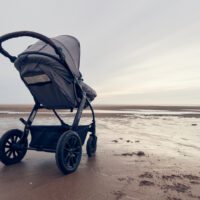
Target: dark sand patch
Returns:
[139, 153]
[195, 182]
[121, 179]
[194, 124]
[146, 183]
[178, 187]
[128, 154]
[146, 175]
[173, 176]
[191, 177]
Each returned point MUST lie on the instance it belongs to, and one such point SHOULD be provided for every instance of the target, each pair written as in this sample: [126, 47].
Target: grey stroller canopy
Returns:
[53, 84]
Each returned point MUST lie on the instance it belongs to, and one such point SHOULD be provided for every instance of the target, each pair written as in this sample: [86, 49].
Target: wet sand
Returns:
[143, 153]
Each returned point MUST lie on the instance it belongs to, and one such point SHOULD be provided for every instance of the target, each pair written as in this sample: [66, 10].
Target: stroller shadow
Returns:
[37, 177]
[40, 166]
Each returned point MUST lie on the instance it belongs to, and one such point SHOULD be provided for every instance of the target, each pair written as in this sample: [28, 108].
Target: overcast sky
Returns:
[132, 52]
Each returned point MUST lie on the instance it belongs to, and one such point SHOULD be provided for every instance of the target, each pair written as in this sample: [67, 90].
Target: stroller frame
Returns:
[75, 125]
[66, 134]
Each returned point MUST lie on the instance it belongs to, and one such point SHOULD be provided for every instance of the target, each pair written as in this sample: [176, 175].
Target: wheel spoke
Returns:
[12, 138]
[8, 142]
[71, 163]
[77, 148]
[73, 159]
[66, 159]
[68, 162]
[18, 151]
[14, 154]
[66, 149]
[76, 153]
[15, 138]
[9, 154]
[7, 151]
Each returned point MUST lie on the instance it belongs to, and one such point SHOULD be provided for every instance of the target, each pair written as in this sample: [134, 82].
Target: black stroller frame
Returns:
[75, 125]
[64, 140]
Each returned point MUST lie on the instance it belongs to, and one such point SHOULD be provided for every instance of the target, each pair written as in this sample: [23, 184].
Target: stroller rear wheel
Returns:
[91, 145]
[68, 152]
[11, 151]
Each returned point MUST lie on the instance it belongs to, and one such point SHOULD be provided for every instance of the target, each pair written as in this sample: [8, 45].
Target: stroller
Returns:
[50, 70]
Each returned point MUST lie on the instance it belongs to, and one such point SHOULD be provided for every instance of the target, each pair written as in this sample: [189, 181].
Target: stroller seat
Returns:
[50, 83]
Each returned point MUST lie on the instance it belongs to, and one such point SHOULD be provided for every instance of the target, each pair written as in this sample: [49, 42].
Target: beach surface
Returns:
[144, 152]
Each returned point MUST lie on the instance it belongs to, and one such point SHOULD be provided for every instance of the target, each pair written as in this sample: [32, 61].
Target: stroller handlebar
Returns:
[29, 34]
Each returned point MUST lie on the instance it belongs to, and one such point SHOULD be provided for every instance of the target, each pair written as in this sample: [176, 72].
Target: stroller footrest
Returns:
[42, 149]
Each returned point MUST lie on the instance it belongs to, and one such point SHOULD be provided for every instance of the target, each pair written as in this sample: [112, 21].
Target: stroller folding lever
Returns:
[23, 121]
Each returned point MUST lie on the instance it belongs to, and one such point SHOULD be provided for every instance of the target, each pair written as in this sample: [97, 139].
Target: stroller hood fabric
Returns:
[48, 80]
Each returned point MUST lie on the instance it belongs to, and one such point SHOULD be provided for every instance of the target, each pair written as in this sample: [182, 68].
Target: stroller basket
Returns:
[46, 137]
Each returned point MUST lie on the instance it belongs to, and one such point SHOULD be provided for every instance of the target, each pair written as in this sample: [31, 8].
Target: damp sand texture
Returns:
[142, 152]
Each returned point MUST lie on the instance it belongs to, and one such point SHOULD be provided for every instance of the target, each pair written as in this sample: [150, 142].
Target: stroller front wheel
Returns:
[91, 146]
[68, 152]
[11, 151]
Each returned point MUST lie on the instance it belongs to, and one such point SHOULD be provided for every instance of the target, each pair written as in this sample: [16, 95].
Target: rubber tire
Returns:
[60, 151]
[3, 157]
[91, 146]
